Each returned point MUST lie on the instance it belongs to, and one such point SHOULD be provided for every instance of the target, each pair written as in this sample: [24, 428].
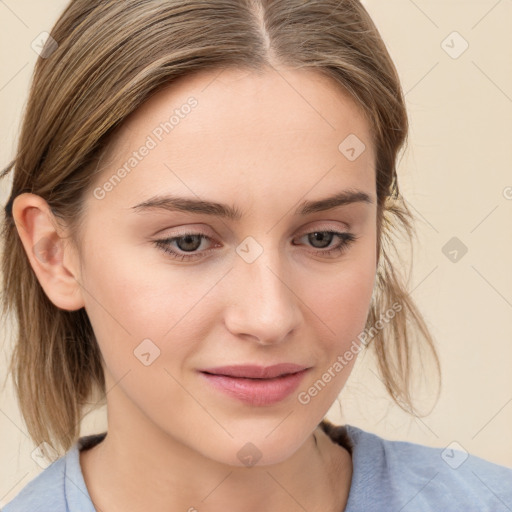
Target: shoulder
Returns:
[44, 492]
[423, 478]
[60, 487]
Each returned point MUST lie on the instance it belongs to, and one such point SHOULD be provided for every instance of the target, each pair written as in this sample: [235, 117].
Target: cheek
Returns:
[147, 327]
[341, 298]
[129, 303]
[341, 304]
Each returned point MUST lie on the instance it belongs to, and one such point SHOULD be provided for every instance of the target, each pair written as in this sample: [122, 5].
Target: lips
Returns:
[255, 385]
[256, 372]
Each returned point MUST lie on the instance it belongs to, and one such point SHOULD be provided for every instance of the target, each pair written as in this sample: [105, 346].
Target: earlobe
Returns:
[45, 245]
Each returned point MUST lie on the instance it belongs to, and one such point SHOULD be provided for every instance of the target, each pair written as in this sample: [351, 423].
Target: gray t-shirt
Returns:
[388, 476]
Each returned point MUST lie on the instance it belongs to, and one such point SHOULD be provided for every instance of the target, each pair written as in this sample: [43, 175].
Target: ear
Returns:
[51, 256]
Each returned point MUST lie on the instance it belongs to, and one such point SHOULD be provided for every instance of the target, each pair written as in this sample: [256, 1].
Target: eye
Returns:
[185, 247]
[187, 242]
[323, 239]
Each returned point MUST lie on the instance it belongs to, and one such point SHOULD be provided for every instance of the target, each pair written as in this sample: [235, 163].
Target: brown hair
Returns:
[111, 56]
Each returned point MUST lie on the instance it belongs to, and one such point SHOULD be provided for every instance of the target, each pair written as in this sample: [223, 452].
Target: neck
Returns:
[139, 467]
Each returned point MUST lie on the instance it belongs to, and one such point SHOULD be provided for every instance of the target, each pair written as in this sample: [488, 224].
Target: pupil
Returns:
[322, 237]
[188, 238]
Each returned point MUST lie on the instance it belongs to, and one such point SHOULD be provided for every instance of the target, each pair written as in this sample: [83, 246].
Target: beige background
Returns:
[457, 177]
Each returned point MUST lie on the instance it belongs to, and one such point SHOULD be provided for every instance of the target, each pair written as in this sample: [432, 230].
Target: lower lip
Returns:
[257, 391]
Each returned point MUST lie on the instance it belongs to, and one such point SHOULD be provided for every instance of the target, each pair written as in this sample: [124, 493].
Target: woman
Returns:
[199, 231]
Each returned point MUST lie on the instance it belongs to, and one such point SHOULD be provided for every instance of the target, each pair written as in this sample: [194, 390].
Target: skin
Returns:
[263, 143]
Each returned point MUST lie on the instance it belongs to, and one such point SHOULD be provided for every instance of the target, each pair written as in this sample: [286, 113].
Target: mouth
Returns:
[256, 372]
[256, 385]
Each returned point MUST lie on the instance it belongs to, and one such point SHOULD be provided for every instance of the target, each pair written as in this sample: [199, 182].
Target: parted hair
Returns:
[105, 59]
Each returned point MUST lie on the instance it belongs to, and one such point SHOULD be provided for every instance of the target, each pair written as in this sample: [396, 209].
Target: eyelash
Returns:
[346, 239]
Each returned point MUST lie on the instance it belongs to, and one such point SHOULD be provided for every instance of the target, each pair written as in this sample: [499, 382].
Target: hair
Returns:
[110, 56]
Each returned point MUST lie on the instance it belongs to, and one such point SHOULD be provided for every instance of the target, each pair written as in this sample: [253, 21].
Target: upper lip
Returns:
[256, 372]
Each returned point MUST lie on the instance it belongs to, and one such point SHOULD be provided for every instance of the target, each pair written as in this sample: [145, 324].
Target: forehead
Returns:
[216, 131]
[277, 100]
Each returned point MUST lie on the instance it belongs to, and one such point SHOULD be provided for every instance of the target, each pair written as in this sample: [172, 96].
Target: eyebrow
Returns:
[200, 206]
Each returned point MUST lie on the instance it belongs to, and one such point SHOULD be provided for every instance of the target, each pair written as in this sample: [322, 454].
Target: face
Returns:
[175, 289]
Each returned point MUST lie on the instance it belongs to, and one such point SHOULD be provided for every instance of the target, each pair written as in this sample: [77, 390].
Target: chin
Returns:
[263, 450]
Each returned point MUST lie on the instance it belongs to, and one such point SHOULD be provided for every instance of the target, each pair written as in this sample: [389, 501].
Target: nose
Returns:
[261, 303]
